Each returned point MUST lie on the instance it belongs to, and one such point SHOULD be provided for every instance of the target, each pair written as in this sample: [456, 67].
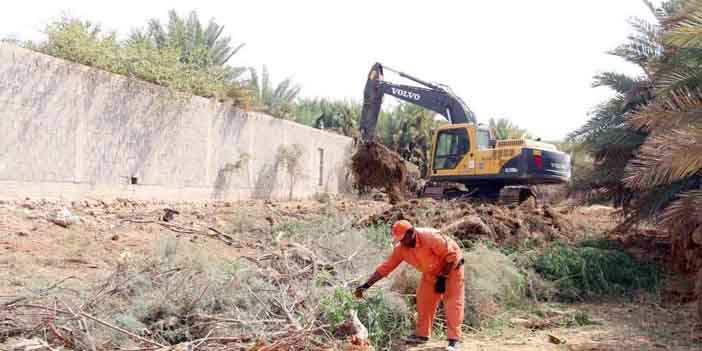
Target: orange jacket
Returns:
[430, 254]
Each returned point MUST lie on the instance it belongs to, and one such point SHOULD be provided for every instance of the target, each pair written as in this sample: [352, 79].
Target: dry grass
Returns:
[493, 284]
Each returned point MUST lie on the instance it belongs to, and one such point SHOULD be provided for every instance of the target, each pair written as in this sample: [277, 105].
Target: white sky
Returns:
[530, 61]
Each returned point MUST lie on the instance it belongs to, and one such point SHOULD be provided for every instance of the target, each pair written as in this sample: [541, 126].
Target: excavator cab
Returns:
[452, 145]
[457, 146]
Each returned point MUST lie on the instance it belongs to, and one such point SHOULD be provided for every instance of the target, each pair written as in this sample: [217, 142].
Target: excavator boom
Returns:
[433, 97]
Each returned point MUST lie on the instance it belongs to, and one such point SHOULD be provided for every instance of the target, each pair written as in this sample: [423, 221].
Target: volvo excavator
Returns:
[466, 160]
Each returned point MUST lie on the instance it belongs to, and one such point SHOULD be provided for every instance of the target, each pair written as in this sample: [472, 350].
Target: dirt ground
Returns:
[620, 326]
[37, 252]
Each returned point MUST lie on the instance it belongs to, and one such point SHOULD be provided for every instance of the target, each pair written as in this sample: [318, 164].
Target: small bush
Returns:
[585, 271]
[386, 315]
[493, 282]
[165, 294]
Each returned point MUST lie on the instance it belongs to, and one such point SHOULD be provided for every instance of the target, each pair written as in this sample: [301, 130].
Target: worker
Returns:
[439, 259]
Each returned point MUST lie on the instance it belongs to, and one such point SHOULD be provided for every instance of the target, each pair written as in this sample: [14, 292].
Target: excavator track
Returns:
[516, 195]
[505, 196]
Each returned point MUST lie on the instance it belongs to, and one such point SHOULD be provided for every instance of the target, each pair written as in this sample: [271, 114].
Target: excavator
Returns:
[466, 160]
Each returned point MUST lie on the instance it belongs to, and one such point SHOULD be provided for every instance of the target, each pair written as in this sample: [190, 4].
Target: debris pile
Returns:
[169, 303]
[466, 220]
[375, 166]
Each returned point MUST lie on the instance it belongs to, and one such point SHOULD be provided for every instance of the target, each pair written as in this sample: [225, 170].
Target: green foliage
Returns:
[505, 129]
[585, 271]
[611, 144]
[336, 115]
[407, 129]
[204, 47]
[85, 43]
[275, 100]
[379, 235]
[386, 316]
[290, 157]
[604, 244]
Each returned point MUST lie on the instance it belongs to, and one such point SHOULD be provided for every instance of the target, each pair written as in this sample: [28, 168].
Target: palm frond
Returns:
[677, 110]
[680, 77]
[276, 100]
[687, 33]
[666, 158]
[652, 202]
[621, 83]
[651, 7]
[643, 47]
[683, 214]
[604, 116]
[201, 46]
[671, 12]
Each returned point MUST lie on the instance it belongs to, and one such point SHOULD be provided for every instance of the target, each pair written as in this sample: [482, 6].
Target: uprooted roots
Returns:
[376, 166]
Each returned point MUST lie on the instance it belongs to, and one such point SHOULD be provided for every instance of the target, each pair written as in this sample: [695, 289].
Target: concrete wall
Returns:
[73, 131]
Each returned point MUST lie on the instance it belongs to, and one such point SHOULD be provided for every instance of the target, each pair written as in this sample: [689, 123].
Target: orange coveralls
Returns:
[430, 254]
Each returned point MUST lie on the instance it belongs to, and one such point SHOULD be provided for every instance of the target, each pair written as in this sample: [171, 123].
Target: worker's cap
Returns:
[399, 229]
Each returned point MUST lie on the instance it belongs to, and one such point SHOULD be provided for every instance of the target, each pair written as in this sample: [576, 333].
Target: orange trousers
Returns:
[428, 301]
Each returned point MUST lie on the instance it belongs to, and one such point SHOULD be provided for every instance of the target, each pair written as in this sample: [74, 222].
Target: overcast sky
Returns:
[530, 61]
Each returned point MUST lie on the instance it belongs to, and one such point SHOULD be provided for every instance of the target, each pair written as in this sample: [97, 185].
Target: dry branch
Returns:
[101, 322]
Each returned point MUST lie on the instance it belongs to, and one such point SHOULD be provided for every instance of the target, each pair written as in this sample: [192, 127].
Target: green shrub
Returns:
[84, 43]
[386, 316]
[604, 244]
[585, 271]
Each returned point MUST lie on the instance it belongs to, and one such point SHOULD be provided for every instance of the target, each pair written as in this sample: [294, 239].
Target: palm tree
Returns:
[275, 100]
[649, 137]
[407, 130]
[201, 46]
[505, 129]
[342, 116]
[668, 164]
[607, 136]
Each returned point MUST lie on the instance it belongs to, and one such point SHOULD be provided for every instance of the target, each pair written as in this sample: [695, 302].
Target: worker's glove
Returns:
[360, 290]
[440, 286]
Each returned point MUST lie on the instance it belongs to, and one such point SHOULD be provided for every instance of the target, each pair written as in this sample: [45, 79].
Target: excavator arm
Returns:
[433, 97]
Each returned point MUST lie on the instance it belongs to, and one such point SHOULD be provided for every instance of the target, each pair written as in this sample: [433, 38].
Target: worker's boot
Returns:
[413, 339]
[453, 345]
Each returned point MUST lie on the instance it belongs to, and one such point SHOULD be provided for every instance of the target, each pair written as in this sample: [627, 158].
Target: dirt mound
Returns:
[465, 220]
[376, 166]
